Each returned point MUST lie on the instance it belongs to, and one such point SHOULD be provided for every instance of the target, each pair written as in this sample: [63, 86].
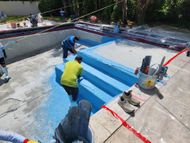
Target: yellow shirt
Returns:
[71, 73]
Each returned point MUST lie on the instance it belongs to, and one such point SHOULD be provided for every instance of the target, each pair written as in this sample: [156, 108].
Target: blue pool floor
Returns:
[102, 81]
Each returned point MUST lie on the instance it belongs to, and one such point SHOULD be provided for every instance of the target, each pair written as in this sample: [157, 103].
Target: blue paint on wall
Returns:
[88, 43]
[106, 39]
[115, 70]
[103, 79]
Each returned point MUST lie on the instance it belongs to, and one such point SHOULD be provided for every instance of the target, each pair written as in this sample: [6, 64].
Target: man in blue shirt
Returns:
[68, 44]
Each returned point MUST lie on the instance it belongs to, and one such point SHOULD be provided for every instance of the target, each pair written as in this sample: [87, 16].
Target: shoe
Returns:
[128, 96]
[6, 79]
[125, 105]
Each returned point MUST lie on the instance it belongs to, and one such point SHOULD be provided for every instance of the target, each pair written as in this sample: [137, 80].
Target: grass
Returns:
[14, 19]
[21, 18]
[54, 18]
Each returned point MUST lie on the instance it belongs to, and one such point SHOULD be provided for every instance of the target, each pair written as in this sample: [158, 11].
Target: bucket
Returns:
[147, 81]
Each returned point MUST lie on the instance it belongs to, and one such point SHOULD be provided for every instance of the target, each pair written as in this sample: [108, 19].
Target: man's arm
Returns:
[74, 51]
[80, 75]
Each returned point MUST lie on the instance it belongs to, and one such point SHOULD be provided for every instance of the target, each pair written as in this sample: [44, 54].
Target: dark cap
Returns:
[78, 58]
[76, 38]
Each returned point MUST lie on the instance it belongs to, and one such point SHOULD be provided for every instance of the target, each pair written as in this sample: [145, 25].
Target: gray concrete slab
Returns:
[131, 53]
[123, 135]
[163, 120]
[156, 124]
[29, 86]
[177, 100]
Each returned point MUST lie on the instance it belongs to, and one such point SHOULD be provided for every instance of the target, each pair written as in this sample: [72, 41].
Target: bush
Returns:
[116, 14]
[46, 5]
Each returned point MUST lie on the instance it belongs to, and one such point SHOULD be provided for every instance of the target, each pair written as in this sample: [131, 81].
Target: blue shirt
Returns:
[69, 42]
[1, 51]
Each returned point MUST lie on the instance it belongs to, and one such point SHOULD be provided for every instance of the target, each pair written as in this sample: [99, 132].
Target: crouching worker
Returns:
[70, 76]
[3, 68]
[74, 127]
[68, 44]
[13, 137]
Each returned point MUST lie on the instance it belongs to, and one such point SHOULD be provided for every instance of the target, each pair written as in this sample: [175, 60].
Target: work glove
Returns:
[80, 79]
[30, 141]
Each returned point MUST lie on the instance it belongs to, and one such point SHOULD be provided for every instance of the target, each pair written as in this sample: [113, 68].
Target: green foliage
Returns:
[174, 12]
[131, 13]
[46, 5]
[116, 14]
[168, 11]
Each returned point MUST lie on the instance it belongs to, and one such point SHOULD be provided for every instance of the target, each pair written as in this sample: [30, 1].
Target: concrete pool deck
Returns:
[159, 120]
[162, 118]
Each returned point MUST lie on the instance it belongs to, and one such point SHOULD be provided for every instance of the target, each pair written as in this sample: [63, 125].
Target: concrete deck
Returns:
[162, 118]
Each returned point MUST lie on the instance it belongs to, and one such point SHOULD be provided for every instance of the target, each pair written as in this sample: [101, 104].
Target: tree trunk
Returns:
[124, 11]
[142, 6]
[66, 8]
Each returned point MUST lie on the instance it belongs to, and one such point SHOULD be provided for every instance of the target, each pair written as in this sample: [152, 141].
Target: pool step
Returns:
[93, 94]
[103, 81]
[118, 72]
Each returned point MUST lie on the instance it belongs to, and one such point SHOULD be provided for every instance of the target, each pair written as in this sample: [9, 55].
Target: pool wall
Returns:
[35, 43]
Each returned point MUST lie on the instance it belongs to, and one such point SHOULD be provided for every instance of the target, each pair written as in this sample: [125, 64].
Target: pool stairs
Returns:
[102, 79]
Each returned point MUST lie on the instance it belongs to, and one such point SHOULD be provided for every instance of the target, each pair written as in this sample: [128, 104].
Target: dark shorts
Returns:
[65, 52]
[73, 91]
[2, 61]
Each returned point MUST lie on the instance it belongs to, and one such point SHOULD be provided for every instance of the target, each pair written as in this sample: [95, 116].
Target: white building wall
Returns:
[19, 8]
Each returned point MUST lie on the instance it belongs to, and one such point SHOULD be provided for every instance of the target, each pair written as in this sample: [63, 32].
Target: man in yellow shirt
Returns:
[70, 76]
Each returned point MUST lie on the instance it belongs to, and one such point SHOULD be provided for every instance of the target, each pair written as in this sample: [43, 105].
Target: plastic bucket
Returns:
[147, 81]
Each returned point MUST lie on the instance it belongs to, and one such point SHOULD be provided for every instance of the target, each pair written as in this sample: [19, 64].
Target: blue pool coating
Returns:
[115, 70]
[88, 43]
[102, 79]
[50, 113]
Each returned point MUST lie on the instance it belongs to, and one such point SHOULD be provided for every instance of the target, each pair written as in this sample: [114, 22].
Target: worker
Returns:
[3, 55]
[14, 137]
[71, 75]
[62, 13]
[68, 44]
[116, 28]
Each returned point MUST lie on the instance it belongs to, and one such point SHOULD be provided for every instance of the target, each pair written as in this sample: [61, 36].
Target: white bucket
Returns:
[147, 81]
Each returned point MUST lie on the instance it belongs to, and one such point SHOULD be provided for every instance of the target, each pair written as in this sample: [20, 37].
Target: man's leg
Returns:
[4, 69]
[65, 53]
[67, 89]
[74, 93]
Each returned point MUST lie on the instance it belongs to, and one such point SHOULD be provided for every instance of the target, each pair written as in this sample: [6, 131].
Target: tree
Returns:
[124, 12]
[116, 14]
[46, 5]
[142, 6]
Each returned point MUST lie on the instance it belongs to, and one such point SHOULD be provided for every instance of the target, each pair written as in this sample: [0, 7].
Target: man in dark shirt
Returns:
[68, 44]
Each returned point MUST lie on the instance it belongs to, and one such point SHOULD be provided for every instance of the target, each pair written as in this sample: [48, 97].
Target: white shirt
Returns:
[1, 50]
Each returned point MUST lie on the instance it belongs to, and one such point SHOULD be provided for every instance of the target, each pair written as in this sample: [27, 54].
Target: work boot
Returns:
[6, 79]
[125, 105]
[128, 96]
